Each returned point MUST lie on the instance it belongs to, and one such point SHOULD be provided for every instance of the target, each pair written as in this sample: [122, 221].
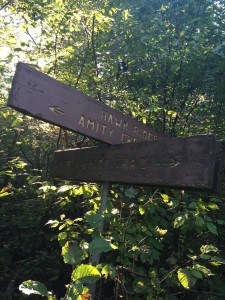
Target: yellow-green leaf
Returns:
[85, 274]
[186, 278]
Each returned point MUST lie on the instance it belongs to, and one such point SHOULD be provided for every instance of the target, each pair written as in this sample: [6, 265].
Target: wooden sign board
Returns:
[38, 95]
[193, 163]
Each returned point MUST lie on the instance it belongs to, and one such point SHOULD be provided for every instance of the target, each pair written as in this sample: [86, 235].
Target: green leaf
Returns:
[30, 287]
[99, 245]
[192, 205]
[212, 228]
[208, 248]
[205, 256]
[141, 210]
[72, 253]
[108, 271]
[165, 197]
[186, 278]
[156, 283]
[4, 194]
[94, 220]
[52, 223]
[179, 221]
[73, 293]
[85, 274]
[199, 222]
[78, 292]
[206, 272]
[62, 236]
[197, 274]
[131, 193]
[218, 260]
[182, 33]
[126, 14]
[64, 188]
[213, 206]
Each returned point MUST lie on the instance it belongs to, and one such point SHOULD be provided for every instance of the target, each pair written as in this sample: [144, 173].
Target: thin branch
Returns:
[167, 275]
[7, 3]
[55, 53]
[94, 54]
[80, 73]
[207, 293]
[93, 45]
[124, 269]
[27, 31]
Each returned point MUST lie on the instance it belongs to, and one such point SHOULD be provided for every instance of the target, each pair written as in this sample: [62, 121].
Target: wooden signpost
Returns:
[193, 163]
[38, 95]
[189, 163]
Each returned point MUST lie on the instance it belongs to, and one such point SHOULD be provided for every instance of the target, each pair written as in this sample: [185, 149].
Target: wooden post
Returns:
[95, 258]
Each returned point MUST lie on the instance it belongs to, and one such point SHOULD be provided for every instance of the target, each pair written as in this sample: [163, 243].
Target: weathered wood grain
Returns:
[38, 95]
[189, 163]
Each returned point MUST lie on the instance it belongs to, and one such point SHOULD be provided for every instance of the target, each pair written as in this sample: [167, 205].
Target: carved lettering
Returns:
[97, 126]
[117, 123]
[143, 164]
[136, 130]
[110, 132]
[81, 122]
[150, 136]
[103, 129]
[133, 165]
[125, 125]
[90, 124]
[123, 138]
[113, 120]
[145, 135]
[124, 164]
[110, 119]
[118, 163]
[103, 116]
[102, 164]
[130, 164]
[129, 139]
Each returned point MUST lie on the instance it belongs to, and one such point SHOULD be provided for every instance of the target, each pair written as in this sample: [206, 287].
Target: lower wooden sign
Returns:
[188, 163]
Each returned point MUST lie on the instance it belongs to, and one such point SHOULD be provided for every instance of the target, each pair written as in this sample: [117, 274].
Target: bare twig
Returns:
[94, 54]
[167, 275]
[7, 3]
[27, 31]
[201, 292]
[124, 269]
[81, 71]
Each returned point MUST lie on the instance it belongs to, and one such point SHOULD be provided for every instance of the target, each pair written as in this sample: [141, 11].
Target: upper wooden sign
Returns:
[38, 95]
[189, 163]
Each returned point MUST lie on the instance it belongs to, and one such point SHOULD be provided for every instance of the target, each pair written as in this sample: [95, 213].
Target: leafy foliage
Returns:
[161, 62]
[34, 287]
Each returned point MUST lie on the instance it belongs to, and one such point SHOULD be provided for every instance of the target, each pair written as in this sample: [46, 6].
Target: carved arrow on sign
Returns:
[56, 110]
